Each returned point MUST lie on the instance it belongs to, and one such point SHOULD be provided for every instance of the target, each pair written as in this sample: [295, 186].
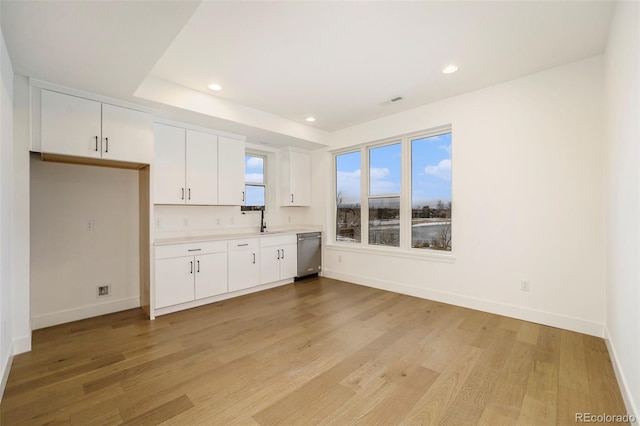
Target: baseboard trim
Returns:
[69, 315]
[540, 317]
[21, 345]
[629, 403]
[6, 368]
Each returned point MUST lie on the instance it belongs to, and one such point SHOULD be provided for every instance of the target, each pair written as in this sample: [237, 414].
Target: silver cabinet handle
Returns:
[292, 198]
[283, 253]
[242, 245]
[195, 249]
[198, 265]
[107, 145]
[96, 144]
[182, 196]
[191, 272]
[243, 196]
[254, 258]
[278, 254]
[189, 194]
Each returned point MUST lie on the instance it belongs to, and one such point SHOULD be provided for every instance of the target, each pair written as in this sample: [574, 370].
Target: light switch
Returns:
[88, 225]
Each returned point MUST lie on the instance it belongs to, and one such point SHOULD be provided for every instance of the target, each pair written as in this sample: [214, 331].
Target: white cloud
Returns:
[255, 163]
[348, 184]
[446, 148]
[378, 173]
[442, 170]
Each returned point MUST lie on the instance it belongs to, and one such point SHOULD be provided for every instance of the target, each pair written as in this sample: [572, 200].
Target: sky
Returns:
[430, 177]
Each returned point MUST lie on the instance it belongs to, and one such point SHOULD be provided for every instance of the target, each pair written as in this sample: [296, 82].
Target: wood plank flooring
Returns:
[315, 352]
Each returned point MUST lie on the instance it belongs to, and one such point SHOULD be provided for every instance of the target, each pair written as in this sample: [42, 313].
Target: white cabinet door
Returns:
[70, 125]
[300, 178]
[174, 281]
[202, 168]
[127, 135]
[230, 171]
[169, 165]
[244, 269]
[288, 261]
[295, 178]
[211, 275]
[269, 264]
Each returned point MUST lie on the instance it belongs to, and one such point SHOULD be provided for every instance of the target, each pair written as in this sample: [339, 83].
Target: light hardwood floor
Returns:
[315, 352]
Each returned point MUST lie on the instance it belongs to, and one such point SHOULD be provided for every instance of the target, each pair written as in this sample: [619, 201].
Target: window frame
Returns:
[405, 248]
[263, 184]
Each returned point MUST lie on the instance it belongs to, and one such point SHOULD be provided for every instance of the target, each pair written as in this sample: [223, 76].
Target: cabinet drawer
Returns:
[190, 249]
[243, 244]
[278, 240]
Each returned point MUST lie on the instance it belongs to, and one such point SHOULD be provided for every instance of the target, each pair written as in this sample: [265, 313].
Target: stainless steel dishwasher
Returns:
[309, 253]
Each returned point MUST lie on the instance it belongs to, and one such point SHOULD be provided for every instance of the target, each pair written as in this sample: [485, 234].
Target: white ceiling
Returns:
[337, 61]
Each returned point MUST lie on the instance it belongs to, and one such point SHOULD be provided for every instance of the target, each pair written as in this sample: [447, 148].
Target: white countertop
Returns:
[219, 237]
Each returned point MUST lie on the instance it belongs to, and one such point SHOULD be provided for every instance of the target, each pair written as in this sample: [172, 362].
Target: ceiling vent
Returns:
[392, 101]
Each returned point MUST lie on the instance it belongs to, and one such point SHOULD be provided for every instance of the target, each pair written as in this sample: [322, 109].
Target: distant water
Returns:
[390, 235]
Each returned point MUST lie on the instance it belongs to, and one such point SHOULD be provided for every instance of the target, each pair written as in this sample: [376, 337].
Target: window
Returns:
[384, 194]
[431, 192]
[255, 183]
[408, 193]
[348, 200]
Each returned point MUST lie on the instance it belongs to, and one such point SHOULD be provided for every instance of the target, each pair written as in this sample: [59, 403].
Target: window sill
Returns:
[418, 254]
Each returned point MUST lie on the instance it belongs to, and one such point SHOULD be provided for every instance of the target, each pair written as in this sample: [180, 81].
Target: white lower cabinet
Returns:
[244, 263]
[278, 258]
[188, 272]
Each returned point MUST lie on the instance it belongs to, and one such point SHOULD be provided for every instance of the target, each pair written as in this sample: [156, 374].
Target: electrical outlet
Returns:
[233, 221]
[289, 219]
[103, 290]
[158, 223]
[185, 222]
[217, 221]
[339, 258]
[524, 285]
[89, 225]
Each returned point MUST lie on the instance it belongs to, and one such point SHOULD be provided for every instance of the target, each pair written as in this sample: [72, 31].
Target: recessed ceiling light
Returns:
[214, 86]
[310, 119]
[450, 69]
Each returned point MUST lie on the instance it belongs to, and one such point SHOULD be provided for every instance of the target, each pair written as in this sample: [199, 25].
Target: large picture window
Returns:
[431, 192]
[348, 200]
[408, 193]
[384, 194]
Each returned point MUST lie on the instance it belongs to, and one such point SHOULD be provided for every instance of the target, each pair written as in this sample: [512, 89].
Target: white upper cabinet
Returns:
[185, 166]
[80, 127]
[127, 135]
[169, 165]
[201, 168]
[230, 171]
[295, 178]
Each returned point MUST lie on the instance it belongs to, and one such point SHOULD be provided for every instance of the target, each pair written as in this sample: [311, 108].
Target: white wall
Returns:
[6, 199]
[20, 298]
[69, 262]
[623, 198]
[528, 201]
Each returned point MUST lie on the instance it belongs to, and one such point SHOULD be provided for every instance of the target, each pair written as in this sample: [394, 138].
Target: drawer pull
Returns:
[242, 245]
[194, 249]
